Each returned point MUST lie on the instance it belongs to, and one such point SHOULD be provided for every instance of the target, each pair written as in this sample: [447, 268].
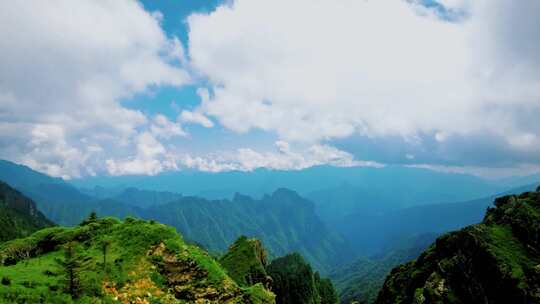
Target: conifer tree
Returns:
[72, 265]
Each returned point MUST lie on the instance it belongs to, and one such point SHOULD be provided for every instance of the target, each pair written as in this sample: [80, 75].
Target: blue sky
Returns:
[126, 87]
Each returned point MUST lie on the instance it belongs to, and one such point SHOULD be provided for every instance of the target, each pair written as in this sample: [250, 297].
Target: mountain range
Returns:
[336, 228]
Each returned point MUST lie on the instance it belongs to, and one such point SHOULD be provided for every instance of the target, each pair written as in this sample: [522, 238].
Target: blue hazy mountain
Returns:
[362, 209]
[284, 221]
[371, 233]
[394, 186]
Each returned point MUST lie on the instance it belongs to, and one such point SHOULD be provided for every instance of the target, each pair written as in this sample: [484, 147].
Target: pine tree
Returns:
[72, 266]
[92, 218]
[105, 244]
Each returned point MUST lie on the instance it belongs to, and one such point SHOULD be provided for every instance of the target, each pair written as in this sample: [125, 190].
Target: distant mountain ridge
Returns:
[19, 216]
[284, 221]
[413, 186]
[496, 261]
[371, 233]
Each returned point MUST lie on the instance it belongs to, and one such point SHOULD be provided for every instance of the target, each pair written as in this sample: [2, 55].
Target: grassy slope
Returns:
[140, 262]
[245, 262]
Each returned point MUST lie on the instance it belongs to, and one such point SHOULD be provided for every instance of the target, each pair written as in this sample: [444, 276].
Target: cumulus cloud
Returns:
[164, 128]
[195, 118]
[66, 65]
[314, 71]
[285, 158]
[151, 159]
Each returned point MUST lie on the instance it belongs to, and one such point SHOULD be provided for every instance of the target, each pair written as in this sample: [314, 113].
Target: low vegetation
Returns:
[497, 261]
[105, 260]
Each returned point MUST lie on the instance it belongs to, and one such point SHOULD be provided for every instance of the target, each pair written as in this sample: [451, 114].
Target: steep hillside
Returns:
[108, 261]
[19, 216]
[246, 262]
[362, 279]
[284, 222]
[497, 261]
[294, 282]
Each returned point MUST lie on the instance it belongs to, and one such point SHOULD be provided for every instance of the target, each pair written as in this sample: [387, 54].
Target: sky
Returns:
[123, 87]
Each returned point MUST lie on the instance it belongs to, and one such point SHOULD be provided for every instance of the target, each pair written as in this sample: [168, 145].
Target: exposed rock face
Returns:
[497, 261]
[191, 283]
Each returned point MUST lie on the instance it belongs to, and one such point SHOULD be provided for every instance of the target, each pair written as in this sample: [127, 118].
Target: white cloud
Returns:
[162, 127]
[311, 71]
[485, 172]
[285, 158]
[151, 159]
[66, 65]
[456, 4]
[196, 118]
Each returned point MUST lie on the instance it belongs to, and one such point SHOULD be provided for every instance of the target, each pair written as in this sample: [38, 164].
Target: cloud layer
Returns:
[332, 81]
[66, 66]
[325, 70]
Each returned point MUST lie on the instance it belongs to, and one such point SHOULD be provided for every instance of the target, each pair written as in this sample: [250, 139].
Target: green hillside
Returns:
[109, 261]
[283, 221]
[497, 261]
[105, 260]
[294, 282]
[19, 216]
[246, 262]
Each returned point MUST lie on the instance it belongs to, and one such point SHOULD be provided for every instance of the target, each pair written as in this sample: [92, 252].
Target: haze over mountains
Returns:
[342, 220]
[362, 210]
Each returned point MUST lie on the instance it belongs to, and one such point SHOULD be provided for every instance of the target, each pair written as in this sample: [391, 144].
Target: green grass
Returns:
[245, 258]
[216, 273]
[508, 250]
[36, 277]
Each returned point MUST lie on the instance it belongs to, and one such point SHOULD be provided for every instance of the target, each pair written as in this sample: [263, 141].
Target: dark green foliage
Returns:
[295, 283]
[6, 281]
[492, 262]
[283, 221]
[326, 290]
[245, 262]
[104, 245]
[19, 216]
[72, 265]
[293, 280]
[92, 218]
